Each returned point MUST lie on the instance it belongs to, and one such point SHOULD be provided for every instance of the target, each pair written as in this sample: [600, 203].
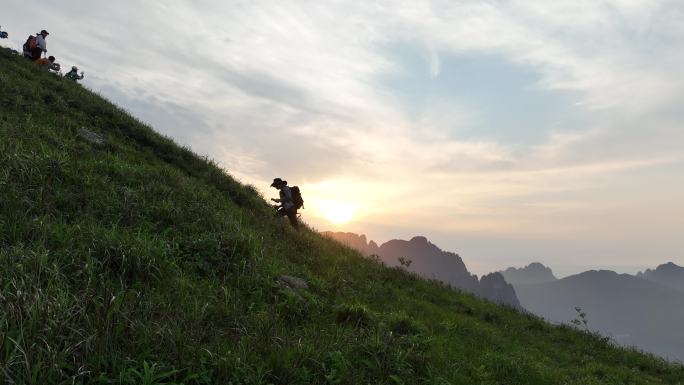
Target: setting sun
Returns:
[337, 212]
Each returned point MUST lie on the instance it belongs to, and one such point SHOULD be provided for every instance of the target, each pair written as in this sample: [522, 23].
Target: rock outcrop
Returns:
[91, 136]
[292, 285]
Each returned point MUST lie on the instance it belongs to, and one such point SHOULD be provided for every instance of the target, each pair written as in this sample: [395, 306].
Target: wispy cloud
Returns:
[296, 89]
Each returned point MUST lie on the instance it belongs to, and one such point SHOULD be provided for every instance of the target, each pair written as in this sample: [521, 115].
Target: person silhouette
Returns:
[287, 206]
[41, 45]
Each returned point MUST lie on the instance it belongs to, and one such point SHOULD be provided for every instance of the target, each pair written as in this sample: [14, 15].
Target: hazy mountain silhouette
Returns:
[429, 261]
[667, 274]
[531, 274]
[494, 287]
[355, 241]
[632, 310]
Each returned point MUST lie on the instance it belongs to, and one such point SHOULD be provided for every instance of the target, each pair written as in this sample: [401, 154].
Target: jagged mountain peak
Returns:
[668, 274]
[419, 239]
[534, 273]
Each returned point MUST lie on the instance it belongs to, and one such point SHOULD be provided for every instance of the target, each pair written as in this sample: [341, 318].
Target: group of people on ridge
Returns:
[35, 49]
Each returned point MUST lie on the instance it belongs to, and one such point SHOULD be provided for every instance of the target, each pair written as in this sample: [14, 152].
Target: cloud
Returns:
[574, 98]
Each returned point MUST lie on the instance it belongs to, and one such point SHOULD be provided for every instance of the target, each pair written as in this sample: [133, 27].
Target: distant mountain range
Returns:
[644, 310]
[429, 261]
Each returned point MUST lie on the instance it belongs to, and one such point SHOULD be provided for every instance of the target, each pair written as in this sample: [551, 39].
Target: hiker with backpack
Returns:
[3, 34]
[36, 45]
[290, 201]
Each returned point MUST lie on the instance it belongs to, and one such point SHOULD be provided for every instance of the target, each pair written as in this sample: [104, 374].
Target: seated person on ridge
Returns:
[48, 64]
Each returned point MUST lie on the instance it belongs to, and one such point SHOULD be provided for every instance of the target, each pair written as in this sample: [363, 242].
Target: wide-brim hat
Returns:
[277, 181]
[44, 32]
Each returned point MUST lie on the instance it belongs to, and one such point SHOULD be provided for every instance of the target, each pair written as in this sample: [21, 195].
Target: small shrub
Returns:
[403, 326]
[581, 322]
[406, 262]
[537, 325]
[491, 317]
[357, 316]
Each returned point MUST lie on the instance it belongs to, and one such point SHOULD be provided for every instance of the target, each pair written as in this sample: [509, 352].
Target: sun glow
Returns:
[337, 212]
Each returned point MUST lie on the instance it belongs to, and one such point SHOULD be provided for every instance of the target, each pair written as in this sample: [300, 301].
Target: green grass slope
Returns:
[138, 262]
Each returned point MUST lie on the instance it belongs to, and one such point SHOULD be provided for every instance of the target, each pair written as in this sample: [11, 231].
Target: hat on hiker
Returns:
[278, 181]
[44, 32]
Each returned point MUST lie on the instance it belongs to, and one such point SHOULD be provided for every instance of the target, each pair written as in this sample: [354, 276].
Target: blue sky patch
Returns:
[506, 97]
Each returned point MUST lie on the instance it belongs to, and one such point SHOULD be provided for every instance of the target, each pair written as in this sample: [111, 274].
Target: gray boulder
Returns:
[294, 283]
[91, 136]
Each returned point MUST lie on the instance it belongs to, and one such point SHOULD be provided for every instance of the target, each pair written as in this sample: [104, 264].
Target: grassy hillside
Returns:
[137, 262]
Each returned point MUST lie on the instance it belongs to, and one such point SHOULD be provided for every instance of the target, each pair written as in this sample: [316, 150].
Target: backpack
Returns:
[297, 197]
[30, 44]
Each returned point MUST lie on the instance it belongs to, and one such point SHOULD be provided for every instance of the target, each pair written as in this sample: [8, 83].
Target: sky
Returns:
[506, 131]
